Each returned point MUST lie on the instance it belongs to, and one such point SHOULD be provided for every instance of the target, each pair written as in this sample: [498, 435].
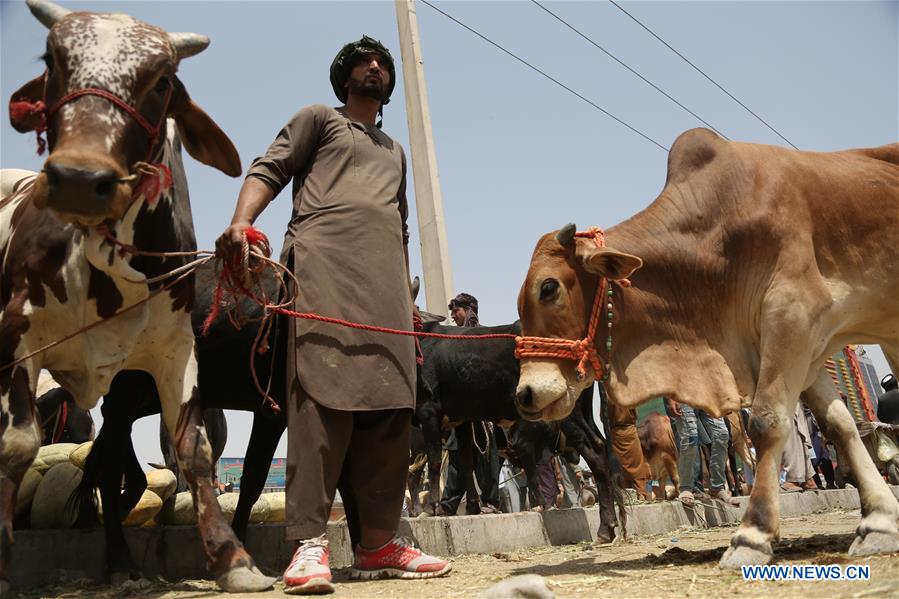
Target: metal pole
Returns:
[438, 277]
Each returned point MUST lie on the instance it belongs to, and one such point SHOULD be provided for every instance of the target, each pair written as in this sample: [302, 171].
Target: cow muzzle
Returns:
[83, 195]
[544, 392]
[524, 403]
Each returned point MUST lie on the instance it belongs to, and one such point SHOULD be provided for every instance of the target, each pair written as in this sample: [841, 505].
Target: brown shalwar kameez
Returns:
[626, 445]
[345, 242]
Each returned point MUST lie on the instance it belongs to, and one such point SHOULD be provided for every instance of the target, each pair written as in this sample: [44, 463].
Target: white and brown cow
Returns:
[109, 86]
[753, 266]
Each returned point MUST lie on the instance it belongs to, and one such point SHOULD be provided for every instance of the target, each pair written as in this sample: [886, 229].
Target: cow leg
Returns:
[877, 532]
[430, 427]
[20, 438]
[463, 483]
[261, 448]
[772, 417]
[595, 454]
[670, 463]
[116, 460]
[113, 457]
[233, 567]
[528, 461]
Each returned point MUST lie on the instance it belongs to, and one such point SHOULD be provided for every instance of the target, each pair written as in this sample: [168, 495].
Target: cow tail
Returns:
[83, 502]
[617, 489]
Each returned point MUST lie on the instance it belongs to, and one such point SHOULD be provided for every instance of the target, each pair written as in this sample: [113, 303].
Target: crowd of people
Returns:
[704, 444]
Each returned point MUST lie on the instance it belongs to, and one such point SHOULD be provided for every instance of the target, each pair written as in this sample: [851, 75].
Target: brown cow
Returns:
[755, 263]
[114, 169]
[660, 450]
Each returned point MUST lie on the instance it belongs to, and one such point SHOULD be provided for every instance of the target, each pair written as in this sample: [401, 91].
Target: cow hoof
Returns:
[605, 536]
[244, 580]
[117, 579]
[875, 542]
[737, 557]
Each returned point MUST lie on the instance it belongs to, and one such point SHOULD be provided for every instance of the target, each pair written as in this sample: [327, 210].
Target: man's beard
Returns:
[364, 87]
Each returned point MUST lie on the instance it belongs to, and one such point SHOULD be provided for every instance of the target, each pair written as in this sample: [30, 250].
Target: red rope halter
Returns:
[154, 178]
[583, 350]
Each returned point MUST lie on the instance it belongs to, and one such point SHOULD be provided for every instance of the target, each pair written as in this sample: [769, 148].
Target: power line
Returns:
[550, 77]
[684, 58]
[644, 79]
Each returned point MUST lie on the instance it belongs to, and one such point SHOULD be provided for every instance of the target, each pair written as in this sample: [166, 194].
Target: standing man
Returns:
[888, 403]
[351, 392]
[464, 310]
[479, 438]
[627, 448]
[687, 422]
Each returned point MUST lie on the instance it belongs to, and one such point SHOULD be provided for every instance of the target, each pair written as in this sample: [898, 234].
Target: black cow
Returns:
[225, 382]
[62, 421]
[463, 381]
[472, 381]
[576, 435]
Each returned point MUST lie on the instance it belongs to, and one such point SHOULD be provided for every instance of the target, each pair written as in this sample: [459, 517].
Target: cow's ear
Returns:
[201, 136]
[607, 262]
[24, 114]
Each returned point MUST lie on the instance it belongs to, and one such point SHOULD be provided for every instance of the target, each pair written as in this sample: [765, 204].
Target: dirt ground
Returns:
[678, 564]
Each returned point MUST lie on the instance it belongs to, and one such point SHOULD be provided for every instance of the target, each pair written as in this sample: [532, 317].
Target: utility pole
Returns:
[438, 276]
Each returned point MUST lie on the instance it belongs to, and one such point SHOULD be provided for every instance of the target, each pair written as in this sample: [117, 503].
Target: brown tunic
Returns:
[347, 236]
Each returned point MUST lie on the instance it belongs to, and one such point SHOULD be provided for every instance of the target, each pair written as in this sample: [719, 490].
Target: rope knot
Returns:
[155, 179]
[24, 112]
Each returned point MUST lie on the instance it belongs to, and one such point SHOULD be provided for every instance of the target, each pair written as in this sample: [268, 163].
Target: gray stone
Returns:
[526, 586]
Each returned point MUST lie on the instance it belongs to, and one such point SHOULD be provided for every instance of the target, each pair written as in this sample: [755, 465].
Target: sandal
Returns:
[686, 498]
[790, 487]
[725, 496]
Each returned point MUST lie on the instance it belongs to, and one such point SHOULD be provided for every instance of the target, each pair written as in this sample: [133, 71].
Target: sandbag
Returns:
[147, 507]
[48, 508]
[228, 503]
[260, 511]
[178, 509]
[80, 453]
[276, 503]
[50, 455]
[162, 482]
[27, 489]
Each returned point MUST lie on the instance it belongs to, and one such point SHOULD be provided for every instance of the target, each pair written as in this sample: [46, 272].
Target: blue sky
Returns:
[518, 156]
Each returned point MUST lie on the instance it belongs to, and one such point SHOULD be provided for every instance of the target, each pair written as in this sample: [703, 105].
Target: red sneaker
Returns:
[309, 572]
[397, 559]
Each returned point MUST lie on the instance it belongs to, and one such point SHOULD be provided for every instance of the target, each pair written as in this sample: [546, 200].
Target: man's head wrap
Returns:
[464, 301]
[346, 59]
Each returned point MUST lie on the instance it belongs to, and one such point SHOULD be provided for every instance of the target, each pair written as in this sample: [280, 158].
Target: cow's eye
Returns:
[163, 84]
[549, 289]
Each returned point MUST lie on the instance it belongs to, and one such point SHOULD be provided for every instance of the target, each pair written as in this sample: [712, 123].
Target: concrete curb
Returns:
[174, 552]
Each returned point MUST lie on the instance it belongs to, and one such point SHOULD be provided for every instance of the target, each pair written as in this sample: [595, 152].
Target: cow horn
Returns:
[188, 44]
[566, 234]
[47, 12]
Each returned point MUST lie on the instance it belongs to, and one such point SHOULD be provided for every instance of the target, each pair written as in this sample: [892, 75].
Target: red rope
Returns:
[583, 350]
[63, 416]
[369, 327]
